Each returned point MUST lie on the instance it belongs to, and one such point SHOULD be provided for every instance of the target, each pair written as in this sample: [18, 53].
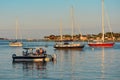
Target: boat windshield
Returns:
[66, 43]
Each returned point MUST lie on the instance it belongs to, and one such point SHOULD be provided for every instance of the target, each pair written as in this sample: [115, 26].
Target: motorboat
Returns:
[34, 55]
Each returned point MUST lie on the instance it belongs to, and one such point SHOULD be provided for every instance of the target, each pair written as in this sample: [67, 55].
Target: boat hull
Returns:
[31, 58]
[69, 47]
[101, 44]
[15, 44]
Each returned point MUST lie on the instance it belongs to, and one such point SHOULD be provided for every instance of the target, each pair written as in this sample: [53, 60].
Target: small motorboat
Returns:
[34, 55]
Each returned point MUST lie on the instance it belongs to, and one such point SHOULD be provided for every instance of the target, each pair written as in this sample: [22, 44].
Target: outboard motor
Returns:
[54, 56]
[13, 55]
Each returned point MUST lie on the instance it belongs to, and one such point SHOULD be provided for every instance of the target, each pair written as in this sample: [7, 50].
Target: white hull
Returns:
[69, 46]
[33, 60]
[15, 44]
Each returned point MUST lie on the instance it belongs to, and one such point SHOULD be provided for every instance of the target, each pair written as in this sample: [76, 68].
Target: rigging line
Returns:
[108, 22]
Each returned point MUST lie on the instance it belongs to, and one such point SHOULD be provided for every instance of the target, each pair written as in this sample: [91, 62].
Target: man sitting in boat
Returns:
[40, 51]
[37, 51]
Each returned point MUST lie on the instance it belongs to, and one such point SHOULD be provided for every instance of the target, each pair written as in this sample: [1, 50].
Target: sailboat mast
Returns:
[61, 30]
[72, 22]
[16, 27]
[103, 31]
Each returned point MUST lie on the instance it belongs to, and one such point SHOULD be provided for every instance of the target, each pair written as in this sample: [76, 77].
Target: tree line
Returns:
[108, 36]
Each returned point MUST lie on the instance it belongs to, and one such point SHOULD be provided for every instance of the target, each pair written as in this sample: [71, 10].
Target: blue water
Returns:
[88, 64]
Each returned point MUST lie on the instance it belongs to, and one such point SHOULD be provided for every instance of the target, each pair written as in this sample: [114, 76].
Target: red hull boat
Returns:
[102, 44]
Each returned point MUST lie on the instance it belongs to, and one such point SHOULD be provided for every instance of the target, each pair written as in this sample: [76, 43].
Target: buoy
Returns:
[92, 49]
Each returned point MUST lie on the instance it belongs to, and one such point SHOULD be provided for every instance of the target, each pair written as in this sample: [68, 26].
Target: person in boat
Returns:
[41, 51]
[37, 52]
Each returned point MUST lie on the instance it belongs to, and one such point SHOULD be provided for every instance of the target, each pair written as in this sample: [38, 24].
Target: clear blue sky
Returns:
[38, 18]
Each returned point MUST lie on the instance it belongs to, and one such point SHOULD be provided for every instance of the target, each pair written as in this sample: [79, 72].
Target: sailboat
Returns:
[16, 43]
[102, 42]
[68, 44]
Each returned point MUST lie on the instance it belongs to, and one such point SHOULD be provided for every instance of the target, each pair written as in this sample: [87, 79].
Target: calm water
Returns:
[88, 64]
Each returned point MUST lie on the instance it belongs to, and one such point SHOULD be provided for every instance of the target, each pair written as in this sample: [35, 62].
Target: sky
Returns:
[39, 18]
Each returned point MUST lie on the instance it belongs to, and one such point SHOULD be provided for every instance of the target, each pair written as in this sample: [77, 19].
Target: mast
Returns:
[103, 21]
[72, 22]
[61, 30]
[16, 27]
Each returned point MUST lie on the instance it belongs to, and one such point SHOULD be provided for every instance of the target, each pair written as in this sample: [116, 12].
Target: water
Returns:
[88, 64]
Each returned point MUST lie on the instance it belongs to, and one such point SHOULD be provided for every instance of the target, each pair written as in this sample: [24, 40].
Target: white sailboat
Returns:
[16, 43]
[101, 43]
[68, 44]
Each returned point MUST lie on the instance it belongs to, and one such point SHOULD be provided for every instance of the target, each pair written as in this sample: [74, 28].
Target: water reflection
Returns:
[69, 63]
[31, 70]
[30, 65]
[103, 64]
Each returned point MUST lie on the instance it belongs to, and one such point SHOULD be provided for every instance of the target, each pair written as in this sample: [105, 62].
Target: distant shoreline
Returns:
[38, 40]
[109, 36]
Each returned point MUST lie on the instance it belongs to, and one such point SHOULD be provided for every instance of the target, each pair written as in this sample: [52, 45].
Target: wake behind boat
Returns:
[34, 55]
